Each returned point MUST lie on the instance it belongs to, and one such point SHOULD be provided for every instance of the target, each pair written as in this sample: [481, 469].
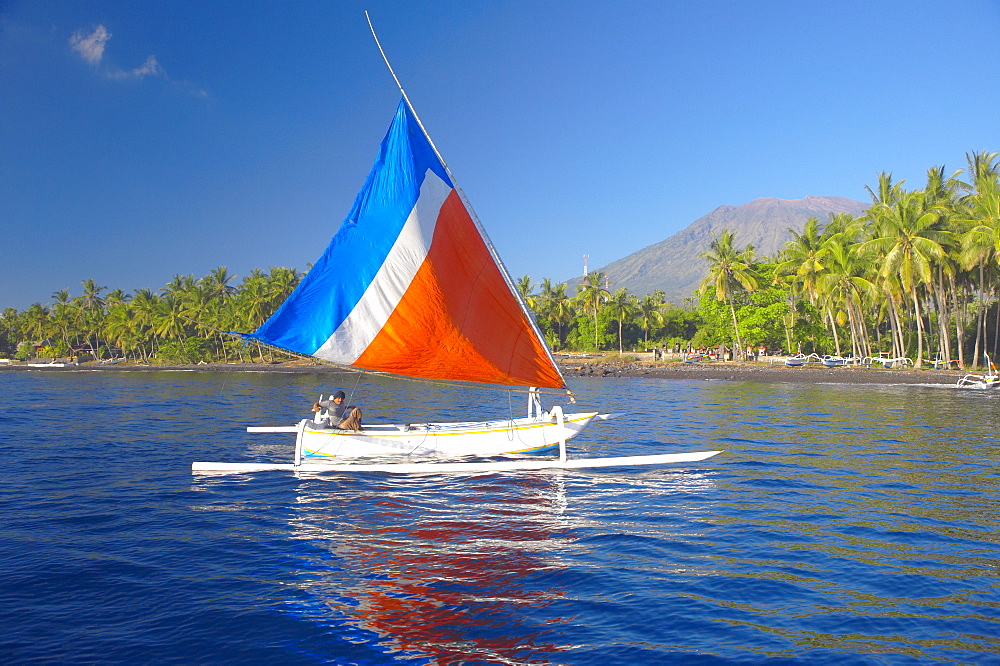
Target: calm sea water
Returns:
[843, 524]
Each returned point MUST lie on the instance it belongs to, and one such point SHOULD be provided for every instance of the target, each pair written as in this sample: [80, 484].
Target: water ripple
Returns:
[843, 524]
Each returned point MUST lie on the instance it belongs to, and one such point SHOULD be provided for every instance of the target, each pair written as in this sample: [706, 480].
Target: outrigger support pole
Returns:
[561, 422]
[298, 443]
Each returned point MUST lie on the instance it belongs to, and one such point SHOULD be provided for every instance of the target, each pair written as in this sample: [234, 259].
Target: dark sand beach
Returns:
[599, 367]
[762, 372]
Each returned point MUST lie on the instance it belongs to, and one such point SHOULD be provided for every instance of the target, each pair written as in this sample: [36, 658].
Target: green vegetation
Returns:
[178, 324]
[918, 275]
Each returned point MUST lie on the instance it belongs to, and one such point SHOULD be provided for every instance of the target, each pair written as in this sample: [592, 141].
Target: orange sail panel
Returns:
[472, 327]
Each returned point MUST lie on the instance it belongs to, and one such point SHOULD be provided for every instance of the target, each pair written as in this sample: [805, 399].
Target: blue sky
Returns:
[139, 140]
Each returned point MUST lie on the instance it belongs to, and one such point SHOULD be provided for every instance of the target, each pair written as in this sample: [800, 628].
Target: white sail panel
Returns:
[354, 335]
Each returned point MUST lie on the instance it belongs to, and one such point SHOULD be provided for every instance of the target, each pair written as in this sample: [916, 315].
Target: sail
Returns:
[408, 284]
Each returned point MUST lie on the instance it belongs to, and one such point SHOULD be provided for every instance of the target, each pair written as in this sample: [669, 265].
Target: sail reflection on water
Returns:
[459, 569]
[452, 570]
[492, 568]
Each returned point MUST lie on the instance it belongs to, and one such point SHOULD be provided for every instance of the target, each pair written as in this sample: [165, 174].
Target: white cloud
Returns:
[90, 47]
[148, 68]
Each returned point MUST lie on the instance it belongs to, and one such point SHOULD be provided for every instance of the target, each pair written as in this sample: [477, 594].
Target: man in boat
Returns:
[339, 415]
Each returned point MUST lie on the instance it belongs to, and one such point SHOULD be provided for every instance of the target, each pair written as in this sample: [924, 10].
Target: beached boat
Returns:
[800, 359]
[887, 362]
[411, 286]
[837, 361]
[990, 380]
[698, 358]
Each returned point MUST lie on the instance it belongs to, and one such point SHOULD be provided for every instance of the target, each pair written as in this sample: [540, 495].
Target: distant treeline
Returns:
[182, 322]
[916, 276]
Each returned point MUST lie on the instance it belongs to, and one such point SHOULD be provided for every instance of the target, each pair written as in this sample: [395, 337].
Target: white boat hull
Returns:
[442, 440]
[979, 382]
[416, 448]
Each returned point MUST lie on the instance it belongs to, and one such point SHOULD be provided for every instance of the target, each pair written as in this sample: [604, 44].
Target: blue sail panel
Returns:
[338, 280]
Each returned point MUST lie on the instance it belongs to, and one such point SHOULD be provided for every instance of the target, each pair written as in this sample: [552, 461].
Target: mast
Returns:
[468, 206]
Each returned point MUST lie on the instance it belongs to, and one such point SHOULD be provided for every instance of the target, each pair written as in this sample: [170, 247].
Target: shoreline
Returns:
[763, 372]
[718, 370]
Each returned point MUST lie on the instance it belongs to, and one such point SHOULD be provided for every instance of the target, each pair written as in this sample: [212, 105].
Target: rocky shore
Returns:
[760, 372]
[597, 367]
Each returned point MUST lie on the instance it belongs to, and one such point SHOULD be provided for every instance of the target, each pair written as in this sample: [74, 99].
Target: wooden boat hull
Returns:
[442, 440]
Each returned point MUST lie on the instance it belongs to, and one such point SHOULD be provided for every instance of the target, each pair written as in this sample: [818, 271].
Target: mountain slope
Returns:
[674, 266]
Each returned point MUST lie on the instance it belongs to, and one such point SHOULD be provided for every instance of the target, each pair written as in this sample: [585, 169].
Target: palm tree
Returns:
[940, 195]
[727, 269]
[38, 324]
[178, 284]
[802, 257]
[217, 282]
[592, 295]
[62, 314]
[92, 311]
[254, 302]
[983, 169]
[195, 302]
[801, 265]
[120, 327]
[842, 287]
[116, 296]
[622, 306]
[10, 320]
[255, 297]
[981, 242]
[524, 286]
[886, 193]
[144, 306]
[911, 245]
[649, 313]
[280, 283]
[92, 295]
[170, 321]
[560, 309]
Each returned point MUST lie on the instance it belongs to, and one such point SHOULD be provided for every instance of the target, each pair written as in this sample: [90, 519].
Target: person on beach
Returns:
[339, 415]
